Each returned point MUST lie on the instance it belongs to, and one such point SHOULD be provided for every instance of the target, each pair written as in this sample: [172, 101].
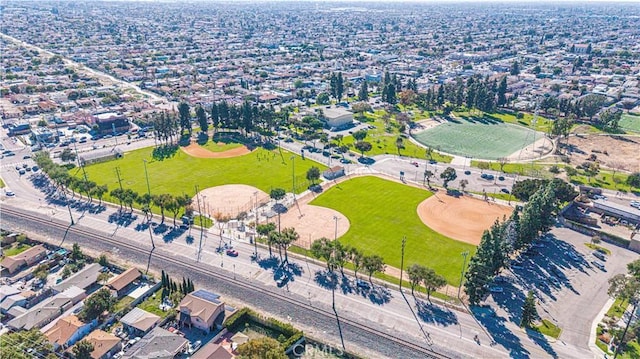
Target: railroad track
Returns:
[427, 352]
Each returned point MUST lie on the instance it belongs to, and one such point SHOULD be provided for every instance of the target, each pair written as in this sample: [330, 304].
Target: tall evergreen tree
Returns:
[363, 94]
[529, 311]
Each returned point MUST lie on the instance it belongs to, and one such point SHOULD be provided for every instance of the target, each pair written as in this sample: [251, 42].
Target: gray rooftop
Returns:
[82, 279]
[157, 344]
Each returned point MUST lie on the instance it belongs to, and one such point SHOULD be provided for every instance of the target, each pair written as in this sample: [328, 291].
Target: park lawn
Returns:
[384, 142]
[179, 174]
[206, 221]
[381, 212]
[549, 329]
[605, 180]
[618, 308]
[632, 350]
[16, 248]
[1, 183]
[630, 122]
[525, 169]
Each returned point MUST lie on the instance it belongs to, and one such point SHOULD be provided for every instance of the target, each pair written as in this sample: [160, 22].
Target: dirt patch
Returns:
[622, 151]
[315, 222]
[463, 219]
[535, 150]
[195, 150]
[229, 199]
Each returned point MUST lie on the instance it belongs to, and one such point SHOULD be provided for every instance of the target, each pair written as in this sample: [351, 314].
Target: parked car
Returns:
[415, 163]
[504, 190]
[10, 193]
[501, 178]
[467, 172]
[599, 264]
[573, 256]
[600, 256]
[496, 289]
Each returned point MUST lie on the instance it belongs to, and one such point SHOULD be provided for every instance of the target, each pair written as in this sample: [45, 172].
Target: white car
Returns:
[10, 193]
[599, 264]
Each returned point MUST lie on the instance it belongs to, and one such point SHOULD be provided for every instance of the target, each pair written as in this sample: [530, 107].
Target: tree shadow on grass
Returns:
[433, 314]
[495, 325]
[165, 151]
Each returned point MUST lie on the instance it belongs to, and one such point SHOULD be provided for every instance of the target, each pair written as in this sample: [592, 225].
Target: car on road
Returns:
[346, 161]
[501, 178]
[600, 256]
[635, 204]
[504, 190]
[415, 163]
[490, 177]
[26, 157]
[232, 253]
[496, 289]
[282, 279]
[484, 175]
[599, 196]
[467, 172]
[10, 194]
[22, 172]
[18, 168]
[600, 265]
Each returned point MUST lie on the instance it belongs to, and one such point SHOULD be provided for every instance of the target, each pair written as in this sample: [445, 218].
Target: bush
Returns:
[554, 169]
[236, 319]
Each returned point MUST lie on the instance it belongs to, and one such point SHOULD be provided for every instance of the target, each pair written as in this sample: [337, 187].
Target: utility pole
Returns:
[201, 231]
[336, 219]
[119, 179]
[404, 241]
[81, 165]
[464, 264]
[293, 175]
[146, 175]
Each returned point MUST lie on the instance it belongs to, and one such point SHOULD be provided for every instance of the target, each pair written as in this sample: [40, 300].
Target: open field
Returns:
[381, 212]
[442, 213]
[630, 122]
[180, 173]
[487, 138]
[621, 151]
[384, 142]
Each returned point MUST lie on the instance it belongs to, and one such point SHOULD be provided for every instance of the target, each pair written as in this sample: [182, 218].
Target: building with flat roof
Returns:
[336, 117]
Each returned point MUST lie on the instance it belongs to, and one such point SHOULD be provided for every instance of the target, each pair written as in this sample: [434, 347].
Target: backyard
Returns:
[381, 212]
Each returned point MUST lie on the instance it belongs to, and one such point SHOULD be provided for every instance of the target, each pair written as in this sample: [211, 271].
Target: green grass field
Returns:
[179, 174]
[381, 212]
[489, 140]
[549, 329]
[630, 122]
[220, 146]
[384, 142]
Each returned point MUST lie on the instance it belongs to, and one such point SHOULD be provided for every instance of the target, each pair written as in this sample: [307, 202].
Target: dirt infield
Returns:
[463, 219]
[229, 199]
[196, 150]
[316, 222]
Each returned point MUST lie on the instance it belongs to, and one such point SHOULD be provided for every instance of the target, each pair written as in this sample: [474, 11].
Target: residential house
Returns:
[122, 283]
[48, 310]
[105, 345]
[212, 351]
[84, 279]
[7, 291]
[25, 259]
[158, 343]
[201, 309]
[16, 300]
[139, 322]
[67, 331]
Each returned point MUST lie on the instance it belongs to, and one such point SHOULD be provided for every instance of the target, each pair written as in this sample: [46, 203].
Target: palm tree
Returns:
[264, 230]
[174, 207]
[288, 236]
[162, 201]
[100, 191]
[118, 194]
[145, 201]
[357, 259]
[274, 238]
[129, 196]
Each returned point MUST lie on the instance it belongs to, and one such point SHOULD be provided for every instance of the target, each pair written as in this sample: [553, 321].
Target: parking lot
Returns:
[564, 275]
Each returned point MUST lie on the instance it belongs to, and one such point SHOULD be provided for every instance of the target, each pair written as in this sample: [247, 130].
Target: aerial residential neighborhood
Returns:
[341, 179]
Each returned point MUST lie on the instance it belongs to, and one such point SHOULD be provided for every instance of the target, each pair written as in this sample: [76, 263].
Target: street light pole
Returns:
[404, 241]
[146, 175]
[464, 263]
[335, 236]
[293, 176]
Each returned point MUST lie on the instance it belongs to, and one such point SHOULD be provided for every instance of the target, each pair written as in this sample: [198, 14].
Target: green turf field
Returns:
[220, 146]
[630, 122]
[381, 212]
[180, 173]
[489, 140]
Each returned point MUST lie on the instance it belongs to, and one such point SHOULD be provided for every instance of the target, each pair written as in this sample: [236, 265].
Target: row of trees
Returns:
[336, 255]
[125, 196]
[431, 280]
[175, 291]
[275, 238]
[510, 236]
